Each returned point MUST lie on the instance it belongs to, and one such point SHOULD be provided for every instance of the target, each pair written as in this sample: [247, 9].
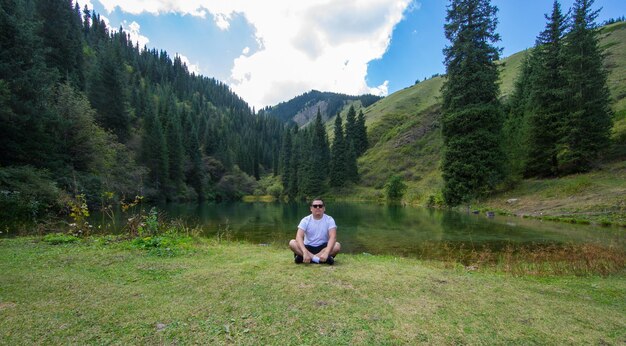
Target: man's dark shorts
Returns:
[316, 249]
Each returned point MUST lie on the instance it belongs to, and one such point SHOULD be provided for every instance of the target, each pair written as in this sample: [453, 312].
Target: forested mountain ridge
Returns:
[85, 111]
[302, 109]
[404, 128]
[89, 118]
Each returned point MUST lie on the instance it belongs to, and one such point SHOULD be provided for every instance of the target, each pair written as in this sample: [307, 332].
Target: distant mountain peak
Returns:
[302, 109]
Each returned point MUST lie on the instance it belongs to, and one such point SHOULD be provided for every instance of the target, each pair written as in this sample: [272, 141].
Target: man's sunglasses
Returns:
[317, 206]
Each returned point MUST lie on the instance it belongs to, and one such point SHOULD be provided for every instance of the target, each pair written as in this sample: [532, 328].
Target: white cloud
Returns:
[133, 31]
[192, 68]
[381, 90]
[304, 45]
[222, 21]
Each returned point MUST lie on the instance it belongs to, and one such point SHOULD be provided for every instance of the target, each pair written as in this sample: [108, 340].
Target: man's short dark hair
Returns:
[316, 199]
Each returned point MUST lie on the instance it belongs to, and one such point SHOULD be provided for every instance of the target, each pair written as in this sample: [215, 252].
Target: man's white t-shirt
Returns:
[316, 231]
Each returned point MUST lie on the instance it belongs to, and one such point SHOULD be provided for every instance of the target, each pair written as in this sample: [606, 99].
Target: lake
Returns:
[393, 230]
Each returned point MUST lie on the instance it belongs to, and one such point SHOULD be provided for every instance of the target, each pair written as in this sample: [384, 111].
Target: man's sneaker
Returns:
[330, 260]
[298, 259]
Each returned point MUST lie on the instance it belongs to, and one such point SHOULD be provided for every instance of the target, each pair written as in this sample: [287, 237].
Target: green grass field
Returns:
[94, 292]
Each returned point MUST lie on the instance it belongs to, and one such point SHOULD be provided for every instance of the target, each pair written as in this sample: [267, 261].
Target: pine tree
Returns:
[338, 156]
[108, 92]
[352, 171]
[547, 97]
[351, 143]
[296, 160]
[154, 148]
[61, 34]
[351, 127]
[321, 158]
[515, 127]
[311, 177]
[586, 128]
[307, 175]
[86, 21]
[472, 120]
[361, 135]
[25, 85]
[173, 133]
[195, 175]
[286, 167]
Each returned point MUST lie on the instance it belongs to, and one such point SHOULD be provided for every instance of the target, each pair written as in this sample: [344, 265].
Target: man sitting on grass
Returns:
[316, 238]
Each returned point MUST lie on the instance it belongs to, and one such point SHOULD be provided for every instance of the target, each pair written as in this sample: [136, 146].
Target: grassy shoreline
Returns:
[597, 197]
[100, 292]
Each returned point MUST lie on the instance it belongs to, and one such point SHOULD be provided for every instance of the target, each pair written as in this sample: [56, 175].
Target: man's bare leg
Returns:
[336, 249]
[332, 253]
[293, 245]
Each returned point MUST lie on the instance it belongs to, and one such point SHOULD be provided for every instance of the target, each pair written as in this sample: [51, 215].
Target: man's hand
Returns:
[306, 258]
[323, 255]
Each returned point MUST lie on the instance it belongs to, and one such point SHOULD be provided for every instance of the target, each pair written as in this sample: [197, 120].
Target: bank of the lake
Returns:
[100, 292]
[597, 197]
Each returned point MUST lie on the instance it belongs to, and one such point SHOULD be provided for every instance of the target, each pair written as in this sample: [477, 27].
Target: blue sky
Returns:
[273, 50]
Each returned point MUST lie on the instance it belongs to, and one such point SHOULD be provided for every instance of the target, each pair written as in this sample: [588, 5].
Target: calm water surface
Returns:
[391, 230]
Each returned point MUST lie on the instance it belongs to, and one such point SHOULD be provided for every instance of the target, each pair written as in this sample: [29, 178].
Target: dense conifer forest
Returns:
[86, 112]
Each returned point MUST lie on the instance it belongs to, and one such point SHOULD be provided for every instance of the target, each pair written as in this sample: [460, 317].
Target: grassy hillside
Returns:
[405, 136]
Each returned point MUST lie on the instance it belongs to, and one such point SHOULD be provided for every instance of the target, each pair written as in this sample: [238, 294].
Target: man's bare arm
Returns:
[306, 255]
[332, 239]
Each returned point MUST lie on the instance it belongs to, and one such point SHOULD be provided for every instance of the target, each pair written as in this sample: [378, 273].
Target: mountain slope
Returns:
[405, 134]
[302, 109]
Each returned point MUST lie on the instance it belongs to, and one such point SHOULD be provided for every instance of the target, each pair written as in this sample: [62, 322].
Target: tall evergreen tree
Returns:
[25, 85]
[176, 150]
[108, 92]
[195, 173]
[286, 165]
[352, 171]
[321, 158]
[351, 126]
[515, 127]
[307, 174]
[586, 129]
[472, 120]
[361, 135]
[309, 160]
[86, 21]
[547, 98]
[338, 156]
[154, 149]
[351, 144]
[61, 34]
[296, 164]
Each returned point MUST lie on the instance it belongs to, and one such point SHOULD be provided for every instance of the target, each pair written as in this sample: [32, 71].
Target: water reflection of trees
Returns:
[396, 230]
